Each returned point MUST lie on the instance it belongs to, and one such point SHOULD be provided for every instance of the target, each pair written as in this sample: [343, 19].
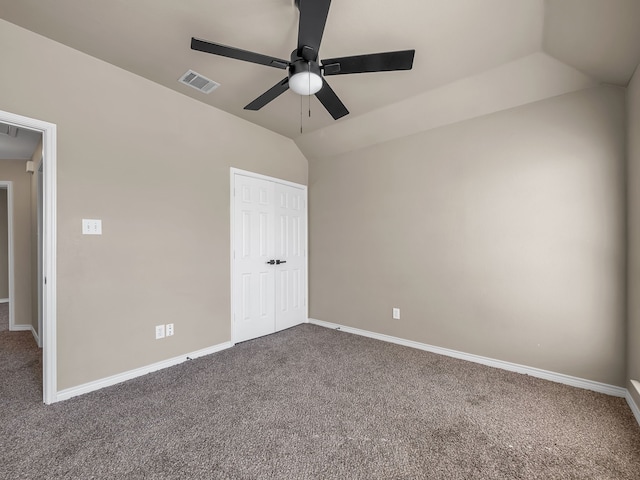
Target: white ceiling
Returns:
[20, 147]
[455, 40]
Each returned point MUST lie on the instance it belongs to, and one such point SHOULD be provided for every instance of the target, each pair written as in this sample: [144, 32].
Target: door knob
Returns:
[278, 262]
[271, 262]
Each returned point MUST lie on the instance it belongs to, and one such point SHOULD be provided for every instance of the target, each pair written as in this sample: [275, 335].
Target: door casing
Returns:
[49, 270]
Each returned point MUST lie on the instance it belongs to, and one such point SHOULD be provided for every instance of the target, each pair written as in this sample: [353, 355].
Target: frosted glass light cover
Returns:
[305, 83]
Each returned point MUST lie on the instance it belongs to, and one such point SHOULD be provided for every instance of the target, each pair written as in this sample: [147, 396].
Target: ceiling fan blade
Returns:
[331, 102]
[274, 92]
[374, 62]
[238, 54]
[313, 17]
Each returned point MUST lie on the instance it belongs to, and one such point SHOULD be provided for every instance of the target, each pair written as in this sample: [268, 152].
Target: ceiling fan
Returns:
[305, 73]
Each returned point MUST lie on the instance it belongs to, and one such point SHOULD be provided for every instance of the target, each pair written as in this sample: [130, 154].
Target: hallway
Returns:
[20, 367]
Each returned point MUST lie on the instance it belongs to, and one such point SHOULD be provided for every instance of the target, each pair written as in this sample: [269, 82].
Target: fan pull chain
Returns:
[301, 114]
[309, 96]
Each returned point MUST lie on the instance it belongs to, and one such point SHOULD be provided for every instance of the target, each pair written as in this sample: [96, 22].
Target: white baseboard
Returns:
[138, 372]
[27, 328]
[631, 401]
[4, 300]
[513, 367]
[36, 337]
[22, 328]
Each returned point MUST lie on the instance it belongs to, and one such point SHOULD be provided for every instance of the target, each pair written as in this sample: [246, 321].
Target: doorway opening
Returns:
[6, 250]
[47, 277]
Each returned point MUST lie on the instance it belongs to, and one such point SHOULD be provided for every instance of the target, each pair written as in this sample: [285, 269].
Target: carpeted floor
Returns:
[4, 317]
[312, 403]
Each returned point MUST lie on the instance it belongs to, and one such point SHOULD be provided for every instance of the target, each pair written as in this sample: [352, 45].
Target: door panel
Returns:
[291, 247]
[254, 279]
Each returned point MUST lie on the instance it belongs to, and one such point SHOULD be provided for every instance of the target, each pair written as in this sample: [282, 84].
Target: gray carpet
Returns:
[312, 403]
[4, 317]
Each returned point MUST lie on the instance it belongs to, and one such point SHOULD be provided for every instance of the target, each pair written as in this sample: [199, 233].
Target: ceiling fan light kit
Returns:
[305, 78]
[305, 74]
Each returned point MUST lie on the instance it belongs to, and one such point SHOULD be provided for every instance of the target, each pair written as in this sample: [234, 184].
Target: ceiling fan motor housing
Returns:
[300, 65]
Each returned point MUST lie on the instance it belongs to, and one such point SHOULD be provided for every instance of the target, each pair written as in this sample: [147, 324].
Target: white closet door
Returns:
[290, 250]
[254, 286]
[269, 277]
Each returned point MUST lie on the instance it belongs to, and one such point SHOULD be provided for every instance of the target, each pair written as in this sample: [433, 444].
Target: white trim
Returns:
[39, 244]
[36, 337]
[246, 173]
[633, 406]
[48, 334]
[306, 252]
[636, 386]
[27, 328]
[4, 300]
[632, 403]
[21, 328]
[232, 198]
[8, 185]
[512, 367]
[232, 226]
[138, 372]
[12, 260]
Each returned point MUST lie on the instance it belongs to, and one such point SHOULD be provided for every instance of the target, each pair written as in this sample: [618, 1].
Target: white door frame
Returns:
[8, 186]
[48, 333]
[232, 173]
[39, 182]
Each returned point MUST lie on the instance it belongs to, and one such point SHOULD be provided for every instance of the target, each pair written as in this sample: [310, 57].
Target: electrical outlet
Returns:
[159, 331]
[169, 329]
[396, 313]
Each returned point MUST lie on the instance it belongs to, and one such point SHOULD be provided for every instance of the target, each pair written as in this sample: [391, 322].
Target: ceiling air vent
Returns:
[197, 81]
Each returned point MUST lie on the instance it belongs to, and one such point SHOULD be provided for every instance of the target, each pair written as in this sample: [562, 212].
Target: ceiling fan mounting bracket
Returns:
[308, 53]
[305, 53]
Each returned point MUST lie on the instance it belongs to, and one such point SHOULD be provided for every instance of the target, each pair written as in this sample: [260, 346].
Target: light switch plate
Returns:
[91, 226]
[159, 331]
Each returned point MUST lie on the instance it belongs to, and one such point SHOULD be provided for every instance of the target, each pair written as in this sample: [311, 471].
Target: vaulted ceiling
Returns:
[472, 56]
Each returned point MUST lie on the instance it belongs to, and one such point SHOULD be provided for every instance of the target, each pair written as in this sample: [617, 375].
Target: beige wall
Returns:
[633, 153]
[4, 245]
[501, 236]
[15, 171]
[154, 166]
